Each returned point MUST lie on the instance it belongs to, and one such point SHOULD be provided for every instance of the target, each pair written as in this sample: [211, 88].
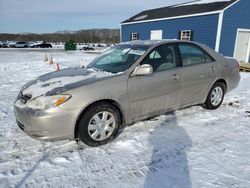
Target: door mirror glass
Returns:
[145, 69]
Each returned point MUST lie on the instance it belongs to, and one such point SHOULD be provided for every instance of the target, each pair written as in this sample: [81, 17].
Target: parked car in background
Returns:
[21, 45]
[101, 45]
[11, 44]
[7, 44]
[87, 48]
[42, 45]
[129, 82]
[4, 44]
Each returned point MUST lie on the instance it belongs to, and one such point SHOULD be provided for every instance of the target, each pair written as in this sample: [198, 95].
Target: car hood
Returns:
[60, 81]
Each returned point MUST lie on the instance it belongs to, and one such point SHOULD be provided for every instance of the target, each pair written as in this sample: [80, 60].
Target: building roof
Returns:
[185, 9]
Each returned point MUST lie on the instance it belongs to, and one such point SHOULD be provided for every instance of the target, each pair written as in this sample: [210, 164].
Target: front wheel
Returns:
[215, 96]
[99, 125]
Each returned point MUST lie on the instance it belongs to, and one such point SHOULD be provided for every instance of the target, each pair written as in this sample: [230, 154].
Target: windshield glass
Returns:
[118, 59]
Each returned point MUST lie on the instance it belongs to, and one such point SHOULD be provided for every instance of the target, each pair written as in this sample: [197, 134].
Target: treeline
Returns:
[81, 36]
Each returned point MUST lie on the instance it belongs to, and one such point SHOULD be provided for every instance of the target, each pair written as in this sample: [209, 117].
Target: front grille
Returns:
[20, 125]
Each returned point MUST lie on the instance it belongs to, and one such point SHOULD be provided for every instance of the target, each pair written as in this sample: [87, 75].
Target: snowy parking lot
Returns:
[189, 148]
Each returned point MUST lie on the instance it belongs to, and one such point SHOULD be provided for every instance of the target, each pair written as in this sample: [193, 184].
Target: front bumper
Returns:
[48, 125]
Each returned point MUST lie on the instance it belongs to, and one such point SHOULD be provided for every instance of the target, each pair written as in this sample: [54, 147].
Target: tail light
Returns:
[237, 65]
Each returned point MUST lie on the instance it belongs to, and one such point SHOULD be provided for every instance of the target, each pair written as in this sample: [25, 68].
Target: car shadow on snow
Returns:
[169, 164]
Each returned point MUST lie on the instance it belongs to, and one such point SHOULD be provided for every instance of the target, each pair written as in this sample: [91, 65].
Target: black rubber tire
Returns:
[83, 134]
[208, 104]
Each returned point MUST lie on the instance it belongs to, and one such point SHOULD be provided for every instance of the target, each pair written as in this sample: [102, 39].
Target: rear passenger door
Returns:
[197, 73]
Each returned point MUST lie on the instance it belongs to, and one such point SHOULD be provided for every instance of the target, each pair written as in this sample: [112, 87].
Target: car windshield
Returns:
[118, 59]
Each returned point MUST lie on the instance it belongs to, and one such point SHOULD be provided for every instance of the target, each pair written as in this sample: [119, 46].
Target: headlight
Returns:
[47, 102]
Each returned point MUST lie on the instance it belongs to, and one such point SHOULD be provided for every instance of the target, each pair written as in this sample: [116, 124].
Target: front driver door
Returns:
[152, 94]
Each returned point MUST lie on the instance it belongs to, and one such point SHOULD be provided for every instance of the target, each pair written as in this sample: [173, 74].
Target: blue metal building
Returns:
[223, 25]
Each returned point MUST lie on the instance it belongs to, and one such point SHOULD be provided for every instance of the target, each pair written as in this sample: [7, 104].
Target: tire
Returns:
[213, 102]
[99, 125]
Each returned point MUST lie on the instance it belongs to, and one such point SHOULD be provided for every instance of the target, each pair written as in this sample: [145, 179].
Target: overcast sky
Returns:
[39, 16]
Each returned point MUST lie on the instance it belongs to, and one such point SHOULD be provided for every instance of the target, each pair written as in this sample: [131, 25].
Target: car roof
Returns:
[149, 43]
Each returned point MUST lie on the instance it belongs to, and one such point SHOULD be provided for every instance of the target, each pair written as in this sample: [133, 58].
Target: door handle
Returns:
[176, 77]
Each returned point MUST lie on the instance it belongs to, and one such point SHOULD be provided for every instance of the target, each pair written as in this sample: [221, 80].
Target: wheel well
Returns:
[112, 102]
[224, 82]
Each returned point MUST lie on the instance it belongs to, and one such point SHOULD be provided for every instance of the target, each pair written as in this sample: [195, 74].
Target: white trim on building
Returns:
[120, 33]
[183, 16]
[231, 5]
[219, 29]
[171, 18]
[248, 52]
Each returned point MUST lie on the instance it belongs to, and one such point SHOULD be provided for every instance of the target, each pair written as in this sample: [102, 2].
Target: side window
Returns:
[208, 58]
[192, 55]
[161, 58]
[154, 55]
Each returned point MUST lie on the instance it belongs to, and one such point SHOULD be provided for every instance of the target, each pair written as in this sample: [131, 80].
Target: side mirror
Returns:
[145, 69]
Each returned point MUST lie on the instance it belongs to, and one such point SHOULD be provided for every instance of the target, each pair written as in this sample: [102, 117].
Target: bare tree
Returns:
[81, 36]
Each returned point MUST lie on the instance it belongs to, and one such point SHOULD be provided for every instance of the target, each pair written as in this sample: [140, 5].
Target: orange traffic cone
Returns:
[51, 60]
[46, 58]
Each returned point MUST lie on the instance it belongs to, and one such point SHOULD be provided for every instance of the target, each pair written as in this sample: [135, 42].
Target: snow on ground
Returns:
[189, 148]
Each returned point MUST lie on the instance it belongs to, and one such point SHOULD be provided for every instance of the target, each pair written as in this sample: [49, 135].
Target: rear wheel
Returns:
[99, 125]
[215, 96]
